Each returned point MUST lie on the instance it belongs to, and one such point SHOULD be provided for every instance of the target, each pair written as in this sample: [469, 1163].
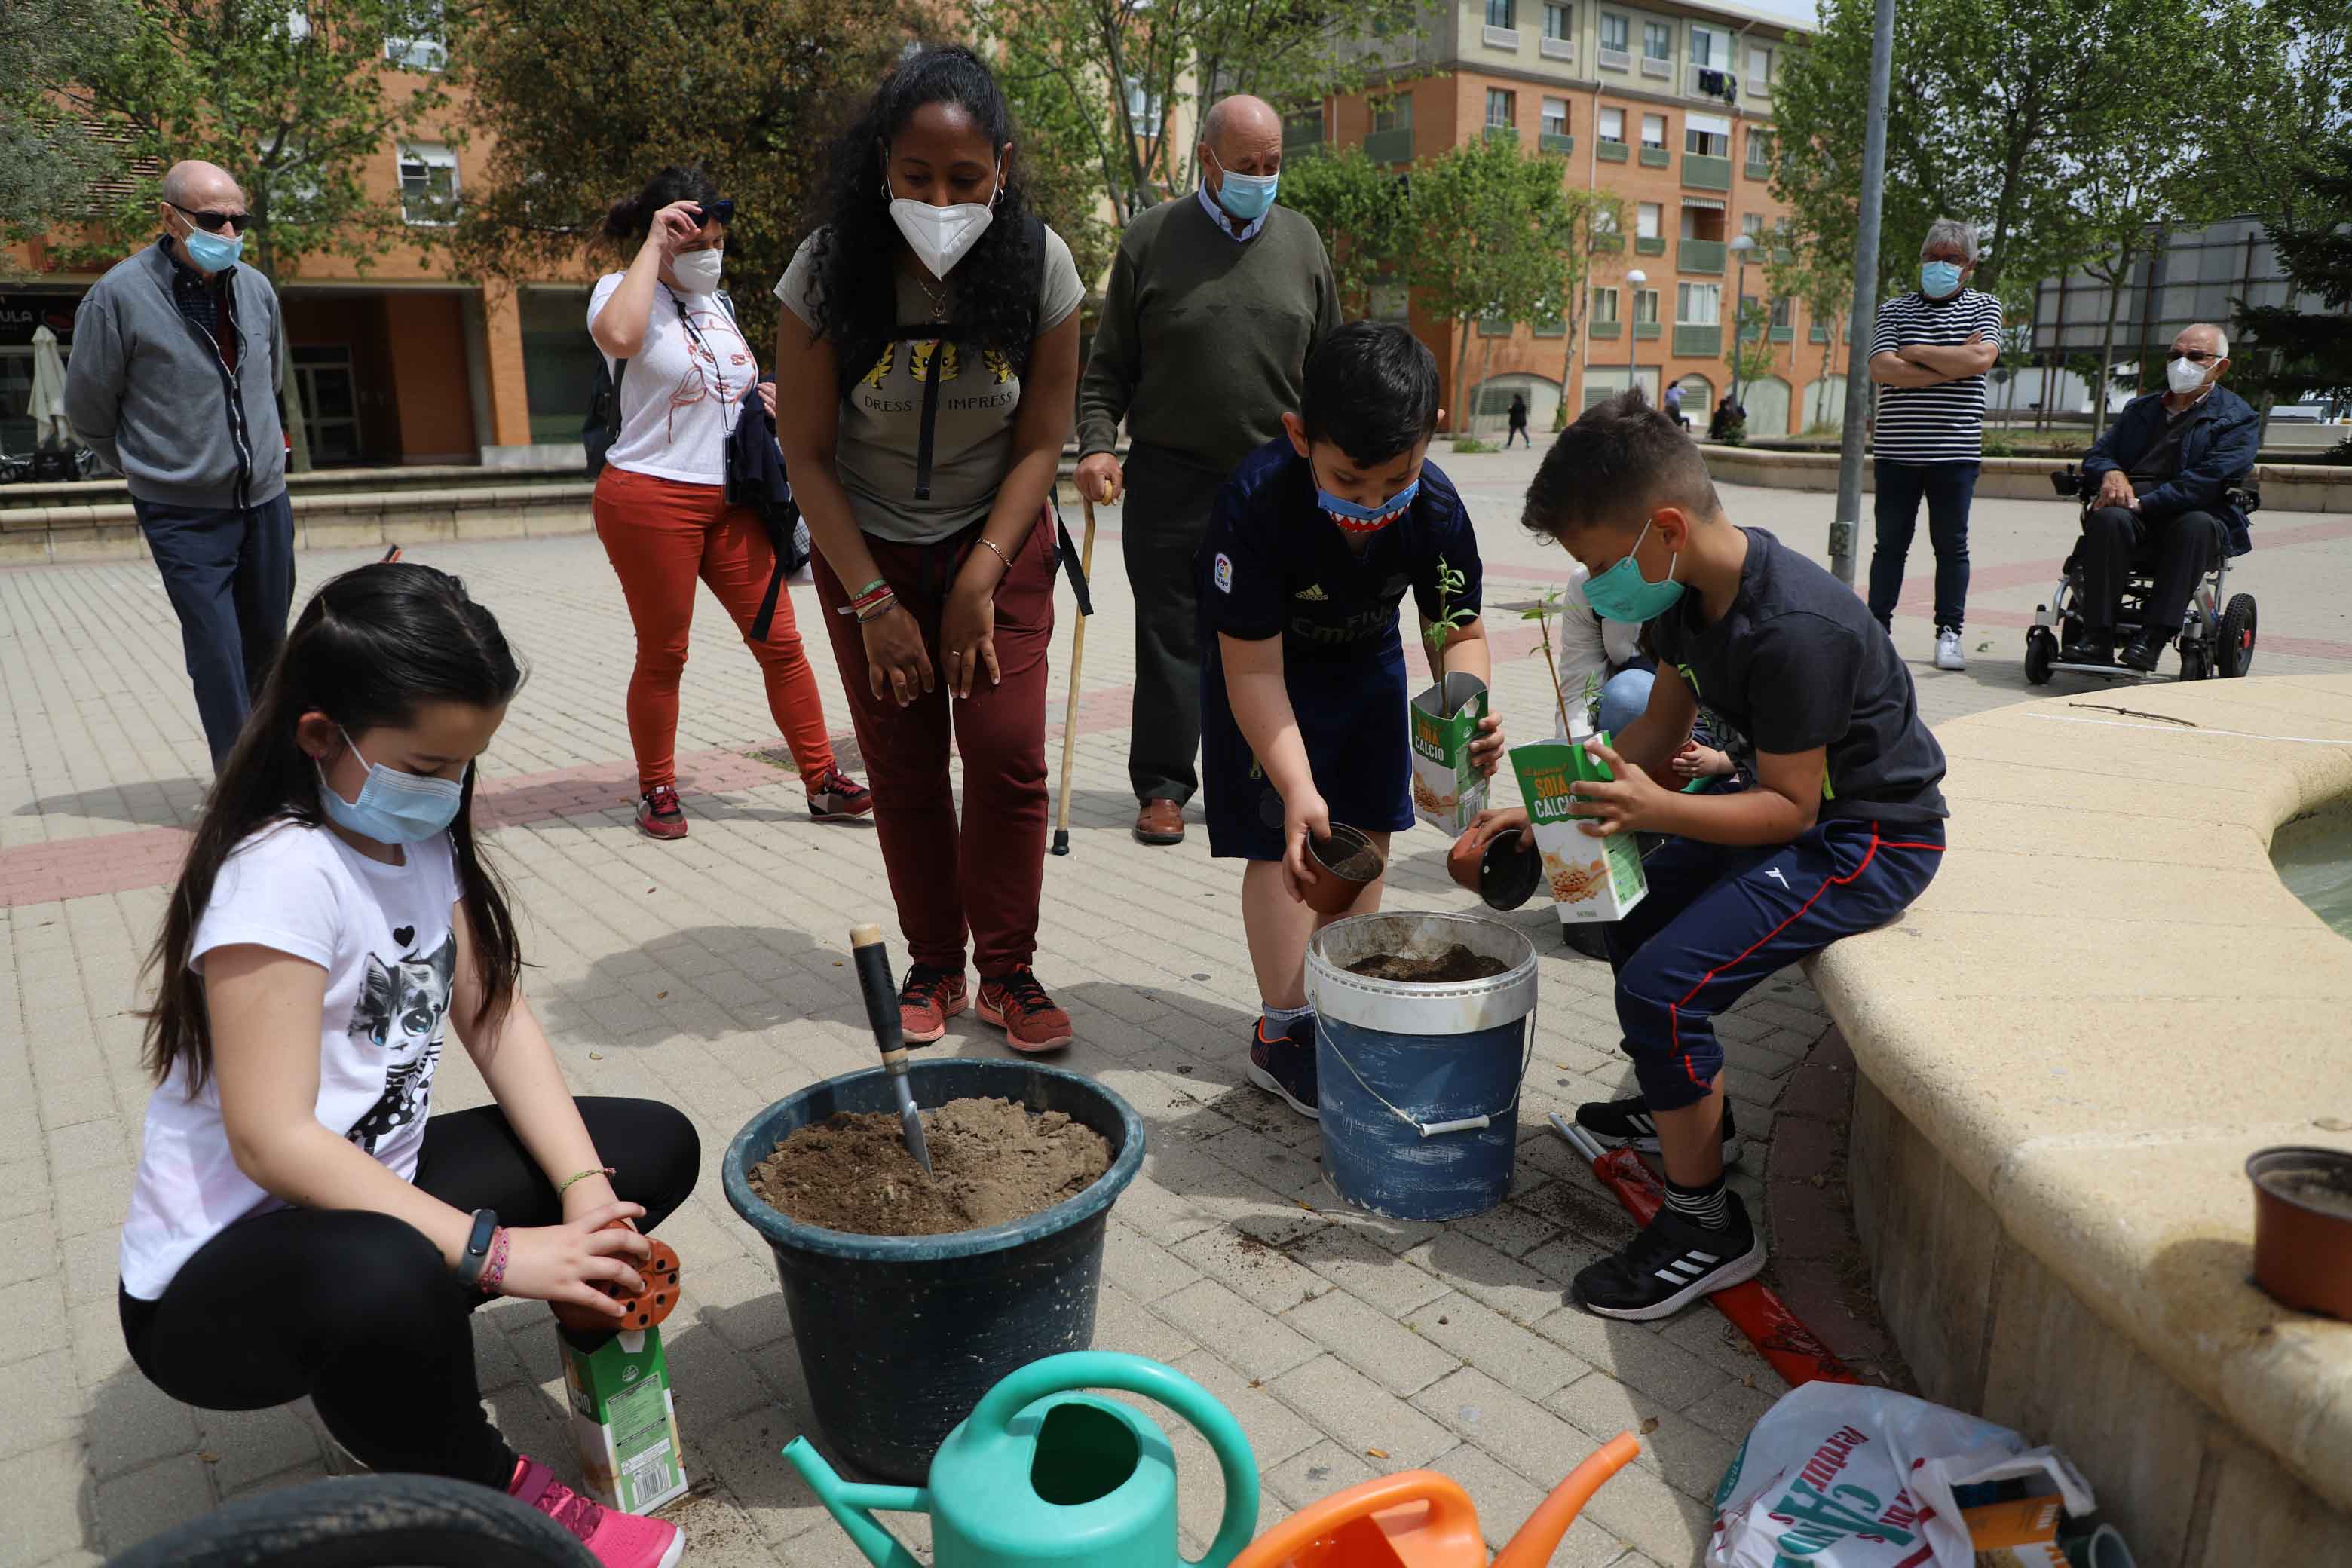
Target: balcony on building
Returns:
[1609, 329]
[1504, 38]
[1697, 343]
[1703, 255]
[1560, 49]
[1302, 134]
[1656, 157]
[1650, 245]
[1645, 331]
[1613, 151]
[1705, 174]
[1616, 59]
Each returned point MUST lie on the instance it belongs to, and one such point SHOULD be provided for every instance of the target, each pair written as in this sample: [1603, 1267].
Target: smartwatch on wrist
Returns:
[476, 1255]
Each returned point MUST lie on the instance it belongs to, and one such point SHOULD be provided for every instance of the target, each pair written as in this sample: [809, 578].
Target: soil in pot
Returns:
[1456, 962]
[1356, 862]
[2326, 1189]
[994, 1162]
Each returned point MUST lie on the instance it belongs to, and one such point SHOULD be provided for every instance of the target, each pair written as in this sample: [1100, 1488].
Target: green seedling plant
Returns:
[1542, 612]
[1450, 584]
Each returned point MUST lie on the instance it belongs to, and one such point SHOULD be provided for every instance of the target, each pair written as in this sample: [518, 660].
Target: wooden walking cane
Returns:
[1077, 659]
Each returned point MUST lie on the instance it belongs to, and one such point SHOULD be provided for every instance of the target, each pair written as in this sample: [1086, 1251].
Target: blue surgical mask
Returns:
[393, 807]
[1247, 196]
[1940, 279]
[1365, 520]
[1622, 593]
[212, 253]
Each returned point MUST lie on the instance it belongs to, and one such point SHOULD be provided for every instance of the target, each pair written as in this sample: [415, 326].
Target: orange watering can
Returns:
[1419, 1518]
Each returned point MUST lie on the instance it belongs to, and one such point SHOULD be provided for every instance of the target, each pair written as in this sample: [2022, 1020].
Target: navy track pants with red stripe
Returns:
[1719, 920]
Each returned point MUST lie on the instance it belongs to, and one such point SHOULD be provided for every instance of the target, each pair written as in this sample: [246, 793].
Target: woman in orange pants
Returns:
[660, 504]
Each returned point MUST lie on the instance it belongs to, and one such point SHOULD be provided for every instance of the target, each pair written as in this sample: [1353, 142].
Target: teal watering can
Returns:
[1042, 1473]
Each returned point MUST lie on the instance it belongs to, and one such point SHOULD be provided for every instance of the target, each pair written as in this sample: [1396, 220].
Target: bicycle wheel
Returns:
[368, 1522]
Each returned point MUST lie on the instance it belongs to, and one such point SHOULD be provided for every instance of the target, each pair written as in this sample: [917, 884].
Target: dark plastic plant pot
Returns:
[1333, 891]
[900, 1335]
[2303, 1228]
[1497, 871]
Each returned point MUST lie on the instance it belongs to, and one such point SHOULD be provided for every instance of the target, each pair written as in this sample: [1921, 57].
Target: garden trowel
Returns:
[882, 1012]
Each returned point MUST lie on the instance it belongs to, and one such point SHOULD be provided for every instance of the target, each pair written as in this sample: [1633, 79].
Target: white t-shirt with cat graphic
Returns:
[384, 935]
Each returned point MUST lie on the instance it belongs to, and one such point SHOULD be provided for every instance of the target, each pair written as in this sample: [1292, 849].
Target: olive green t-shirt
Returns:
[881, 419]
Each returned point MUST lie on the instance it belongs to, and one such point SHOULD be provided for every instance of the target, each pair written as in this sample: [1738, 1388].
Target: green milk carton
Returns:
[1447, 789]
[1591, 879]
[622, 1419]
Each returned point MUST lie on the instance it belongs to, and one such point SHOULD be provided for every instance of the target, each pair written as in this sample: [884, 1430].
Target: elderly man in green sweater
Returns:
[1215, 302]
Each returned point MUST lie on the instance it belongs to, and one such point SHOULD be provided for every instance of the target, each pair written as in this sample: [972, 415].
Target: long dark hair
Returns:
[632, 217]
[367, 650]
[857, 243]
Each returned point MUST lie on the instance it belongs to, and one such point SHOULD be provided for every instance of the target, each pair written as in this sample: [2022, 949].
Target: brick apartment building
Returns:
[1666, 106]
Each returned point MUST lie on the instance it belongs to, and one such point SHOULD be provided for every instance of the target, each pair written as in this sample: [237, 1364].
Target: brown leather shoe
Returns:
[1160, 822]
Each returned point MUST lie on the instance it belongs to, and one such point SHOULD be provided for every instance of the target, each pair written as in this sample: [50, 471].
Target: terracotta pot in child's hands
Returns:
[637, 1312]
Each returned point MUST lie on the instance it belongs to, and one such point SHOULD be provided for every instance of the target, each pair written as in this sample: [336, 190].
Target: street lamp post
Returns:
[1635, 278]
[1742, 245]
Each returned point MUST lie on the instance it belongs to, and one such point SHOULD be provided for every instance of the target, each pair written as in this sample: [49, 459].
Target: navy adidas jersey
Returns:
[1274, 564]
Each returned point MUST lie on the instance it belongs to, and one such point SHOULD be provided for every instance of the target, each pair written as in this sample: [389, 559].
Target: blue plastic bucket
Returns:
[1420, 1083]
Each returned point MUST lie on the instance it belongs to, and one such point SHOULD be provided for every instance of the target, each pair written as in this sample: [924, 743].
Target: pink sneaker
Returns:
[616, 1539]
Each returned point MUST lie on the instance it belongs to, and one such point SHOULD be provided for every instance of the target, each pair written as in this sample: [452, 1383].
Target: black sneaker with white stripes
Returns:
[1670, 1264]
[1626, 1123]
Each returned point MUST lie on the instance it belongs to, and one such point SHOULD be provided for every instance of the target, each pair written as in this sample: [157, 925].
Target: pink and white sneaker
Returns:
[616, 1539]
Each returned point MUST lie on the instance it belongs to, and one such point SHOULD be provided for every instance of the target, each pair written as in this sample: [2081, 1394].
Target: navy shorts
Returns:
[1351, 716]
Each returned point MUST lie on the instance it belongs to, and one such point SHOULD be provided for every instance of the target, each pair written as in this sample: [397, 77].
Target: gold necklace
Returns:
[938, 297]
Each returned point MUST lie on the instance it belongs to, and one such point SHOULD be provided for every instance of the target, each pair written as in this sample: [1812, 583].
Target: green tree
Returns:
[291, 102]
[1593, 217]
[584, 102]
[1823, 284]
[1119, 67]
[1748, 353]
[2306, 350]
[49, 157]
[1491, 235]
[1365, 215]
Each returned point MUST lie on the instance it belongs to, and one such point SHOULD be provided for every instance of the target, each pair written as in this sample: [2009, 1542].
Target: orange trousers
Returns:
[663, 537]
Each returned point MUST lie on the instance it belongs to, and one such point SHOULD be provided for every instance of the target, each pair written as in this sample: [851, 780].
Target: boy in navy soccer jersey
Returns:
[1841, 829]
[1313, 544]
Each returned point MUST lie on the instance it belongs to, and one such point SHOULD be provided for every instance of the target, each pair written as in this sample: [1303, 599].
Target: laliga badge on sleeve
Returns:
[1224, 572]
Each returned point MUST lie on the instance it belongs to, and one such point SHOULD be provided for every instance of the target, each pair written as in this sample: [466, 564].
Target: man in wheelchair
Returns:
[2164, 470]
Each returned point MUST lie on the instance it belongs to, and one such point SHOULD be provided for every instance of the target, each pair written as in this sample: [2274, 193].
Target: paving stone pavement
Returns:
[711, 972]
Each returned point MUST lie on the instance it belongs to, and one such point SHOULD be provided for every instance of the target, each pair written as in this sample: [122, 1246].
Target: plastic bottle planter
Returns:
[1042, 1473]
[1420, 1082]
[900, 1335]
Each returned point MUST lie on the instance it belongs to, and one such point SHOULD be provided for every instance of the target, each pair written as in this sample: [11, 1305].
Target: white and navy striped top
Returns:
[1941, 424]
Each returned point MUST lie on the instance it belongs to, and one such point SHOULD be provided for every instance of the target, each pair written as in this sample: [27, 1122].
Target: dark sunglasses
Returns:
[2194, 356]
[722, 211]
[213, 222]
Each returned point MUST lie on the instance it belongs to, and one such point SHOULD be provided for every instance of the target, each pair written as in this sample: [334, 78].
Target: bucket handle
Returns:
[1073, 1369]
[1460, 1123]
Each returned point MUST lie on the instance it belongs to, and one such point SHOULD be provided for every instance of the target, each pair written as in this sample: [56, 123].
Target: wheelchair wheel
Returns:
[2235, 653]
[2041, 653]
[2194, 663]
[368, 1521]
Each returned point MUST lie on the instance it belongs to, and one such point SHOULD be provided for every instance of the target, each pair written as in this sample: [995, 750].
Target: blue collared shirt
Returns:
[1225, 219]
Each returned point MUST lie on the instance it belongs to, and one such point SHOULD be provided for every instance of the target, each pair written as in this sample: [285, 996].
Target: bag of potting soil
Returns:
[1841, 1475]
[1591, 879]
[1448, 790]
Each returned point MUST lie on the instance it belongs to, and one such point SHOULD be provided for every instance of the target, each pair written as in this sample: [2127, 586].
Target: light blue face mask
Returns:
[1247, 196]
[212, 253]
[393, 807]
[1622, 593]
[1940, 279]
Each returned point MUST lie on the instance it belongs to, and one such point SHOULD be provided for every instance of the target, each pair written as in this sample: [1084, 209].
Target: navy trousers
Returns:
[1719, 920]
[230, 575]
[1947, 489]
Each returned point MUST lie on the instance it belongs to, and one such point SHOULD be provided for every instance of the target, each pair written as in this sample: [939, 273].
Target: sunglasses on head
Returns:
[722, 211]
[213, 222]
[2194, 356]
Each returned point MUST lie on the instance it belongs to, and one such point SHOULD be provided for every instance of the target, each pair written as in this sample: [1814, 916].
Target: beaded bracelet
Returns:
[494, 1272]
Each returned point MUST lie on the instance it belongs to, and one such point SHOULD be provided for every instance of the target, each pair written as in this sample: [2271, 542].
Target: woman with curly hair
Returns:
[926, 365]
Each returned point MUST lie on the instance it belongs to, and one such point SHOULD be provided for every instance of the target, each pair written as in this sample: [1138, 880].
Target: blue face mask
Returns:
[1940, 279]
[1366, 519]
[393, 807]
[212, 253]
[1622, 593]
[1247, 196]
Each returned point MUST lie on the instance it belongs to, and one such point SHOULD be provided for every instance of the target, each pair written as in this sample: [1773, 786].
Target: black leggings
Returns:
[359, 1311]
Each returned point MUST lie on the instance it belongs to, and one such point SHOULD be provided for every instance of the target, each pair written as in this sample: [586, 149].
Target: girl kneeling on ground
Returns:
[927, 366]
[299, 1225]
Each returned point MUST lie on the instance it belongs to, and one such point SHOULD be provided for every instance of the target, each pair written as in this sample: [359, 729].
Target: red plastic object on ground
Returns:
[1795, 1351]
[1419, 1518]
[638, 1313]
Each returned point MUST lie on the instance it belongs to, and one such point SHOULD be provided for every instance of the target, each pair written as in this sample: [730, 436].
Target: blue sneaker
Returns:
[1285, 1066]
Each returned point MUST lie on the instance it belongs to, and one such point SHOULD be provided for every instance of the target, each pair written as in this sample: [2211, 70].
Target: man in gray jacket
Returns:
[173, 383]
